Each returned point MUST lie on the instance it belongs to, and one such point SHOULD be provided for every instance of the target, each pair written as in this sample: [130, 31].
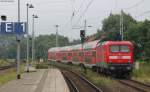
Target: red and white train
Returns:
[115, 57]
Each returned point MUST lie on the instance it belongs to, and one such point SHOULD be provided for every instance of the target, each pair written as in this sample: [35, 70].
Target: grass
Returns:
[97, 79]
[9, 75]
[4, 62]
[105, 82]
[143, 74]
[42, 66]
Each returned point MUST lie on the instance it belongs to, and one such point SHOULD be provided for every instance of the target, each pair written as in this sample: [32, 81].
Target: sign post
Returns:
[18, 56]
[18, 28]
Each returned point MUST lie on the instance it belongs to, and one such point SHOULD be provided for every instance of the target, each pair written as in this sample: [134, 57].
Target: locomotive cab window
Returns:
[119, 48]
[114, 48]
[124, 49]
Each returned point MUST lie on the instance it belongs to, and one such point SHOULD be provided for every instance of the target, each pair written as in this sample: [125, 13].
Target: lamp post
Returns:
[27, 61]
[121, 25]
[33, 38]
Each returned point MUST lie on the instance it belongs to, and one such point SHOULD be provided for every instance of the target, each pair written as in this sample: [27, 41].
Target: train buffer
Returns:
[50, 80]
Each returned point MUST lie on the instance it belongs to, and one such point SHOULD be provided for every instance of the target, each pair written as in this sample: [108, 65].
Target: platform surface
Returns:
[50, 80]
[55, 82]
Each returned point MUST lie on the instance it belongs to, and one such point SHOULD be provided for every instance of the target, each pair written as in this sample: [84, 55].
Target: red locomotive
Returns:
[113, 57]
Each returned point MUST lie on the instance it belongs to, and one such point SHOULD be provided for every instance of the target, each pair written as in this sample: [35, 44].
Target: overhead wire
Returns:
[74, 12]
[131, 7]
[72, 2]
[135, 5]
[81, 5]
[87, 7]
[51, 2]
[72, 8]
[146, 12]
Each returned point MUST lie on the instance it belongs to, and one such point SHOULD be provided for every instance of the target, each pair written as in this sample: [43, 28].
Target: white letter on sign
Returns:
[9, 27]
[23, 26]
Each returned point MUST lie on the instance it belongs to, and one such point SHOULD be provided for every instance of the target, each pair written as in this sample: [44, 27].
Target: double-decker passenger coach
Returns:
[111, 57]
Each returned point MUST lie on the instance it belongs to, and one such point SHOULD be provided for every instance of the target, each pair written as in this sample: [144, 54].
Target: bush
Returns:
[4, 62]
[42, 66]
[144, 70]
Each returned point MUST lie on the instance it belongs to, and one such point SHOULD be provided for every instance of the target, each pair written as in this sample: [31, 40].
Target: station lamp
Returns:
[3, 17]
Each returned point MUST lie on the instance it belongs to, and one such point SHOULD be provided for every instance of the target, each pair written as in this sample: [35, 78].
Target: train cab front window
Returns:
[119, 48]
[124, 49]
[114, 48]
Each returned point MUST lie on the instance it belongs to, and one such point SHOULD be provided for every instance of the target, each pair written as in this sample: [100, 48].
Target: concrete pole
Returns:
[85, 27]
[121, 25]
[18, 45]
[18, 10]
[27, 61]
[57, 35]
[32, 38]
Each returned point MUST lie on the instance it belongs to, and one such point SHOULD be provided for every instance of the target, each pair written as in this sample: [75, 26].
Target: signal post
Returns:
[82, 35]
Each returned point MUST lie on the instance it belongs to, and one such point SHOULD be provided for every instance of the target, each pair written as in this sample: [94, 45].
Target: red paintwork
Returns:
[101, 50]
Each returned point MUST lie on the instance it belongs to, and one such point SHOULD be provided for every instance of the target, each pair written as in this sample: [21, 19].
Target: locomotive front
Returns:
[120, 57]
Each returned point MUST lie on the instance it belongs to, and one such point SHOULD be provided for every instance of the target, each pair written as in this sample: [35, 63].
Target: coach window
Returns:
[63, 54]
[81, 54]
[94, 53]
[69, 54]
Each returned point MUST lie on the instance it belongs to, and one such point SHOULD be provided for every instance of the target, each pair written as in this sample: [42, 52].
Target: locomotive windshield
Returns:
[119, 48]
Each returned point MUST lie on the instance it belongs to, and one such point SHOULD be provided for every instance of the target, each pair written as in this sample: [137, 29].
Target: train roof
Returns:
[53, 49]
[88, 45]
[118, 42]
[91, 45]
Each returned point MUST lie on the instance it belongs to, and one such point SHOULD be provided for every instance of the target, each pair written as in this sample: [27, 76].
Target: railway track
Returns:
[6, 67]
[136, 85]
[78, 82]
[72, 86]
[131, 84]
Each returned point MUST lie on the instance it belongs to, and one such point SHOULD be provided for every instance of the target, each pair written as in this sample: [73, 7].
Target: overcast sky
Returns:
[52, 12]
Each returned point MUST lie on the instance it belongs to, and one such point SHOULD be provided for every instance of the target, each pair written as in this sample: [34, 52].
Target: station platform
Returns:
[49, 80]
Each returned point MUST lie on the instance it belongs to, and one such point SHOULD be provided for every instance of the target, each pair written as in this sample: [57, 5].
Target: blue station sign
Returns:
[13, 28]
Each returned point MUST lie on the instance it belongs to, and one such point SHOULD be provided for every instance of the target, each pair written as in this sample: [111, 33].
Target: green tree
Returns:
[44, 42]
[111, 25]
[139, 34]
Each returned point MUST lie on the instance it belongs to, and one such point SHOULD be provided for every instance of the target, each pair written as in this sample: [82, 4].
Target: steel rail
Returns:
[87, 81]
[6, 67]
[147, 85]
[83, 78]
[71, 84]
[142, 88]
